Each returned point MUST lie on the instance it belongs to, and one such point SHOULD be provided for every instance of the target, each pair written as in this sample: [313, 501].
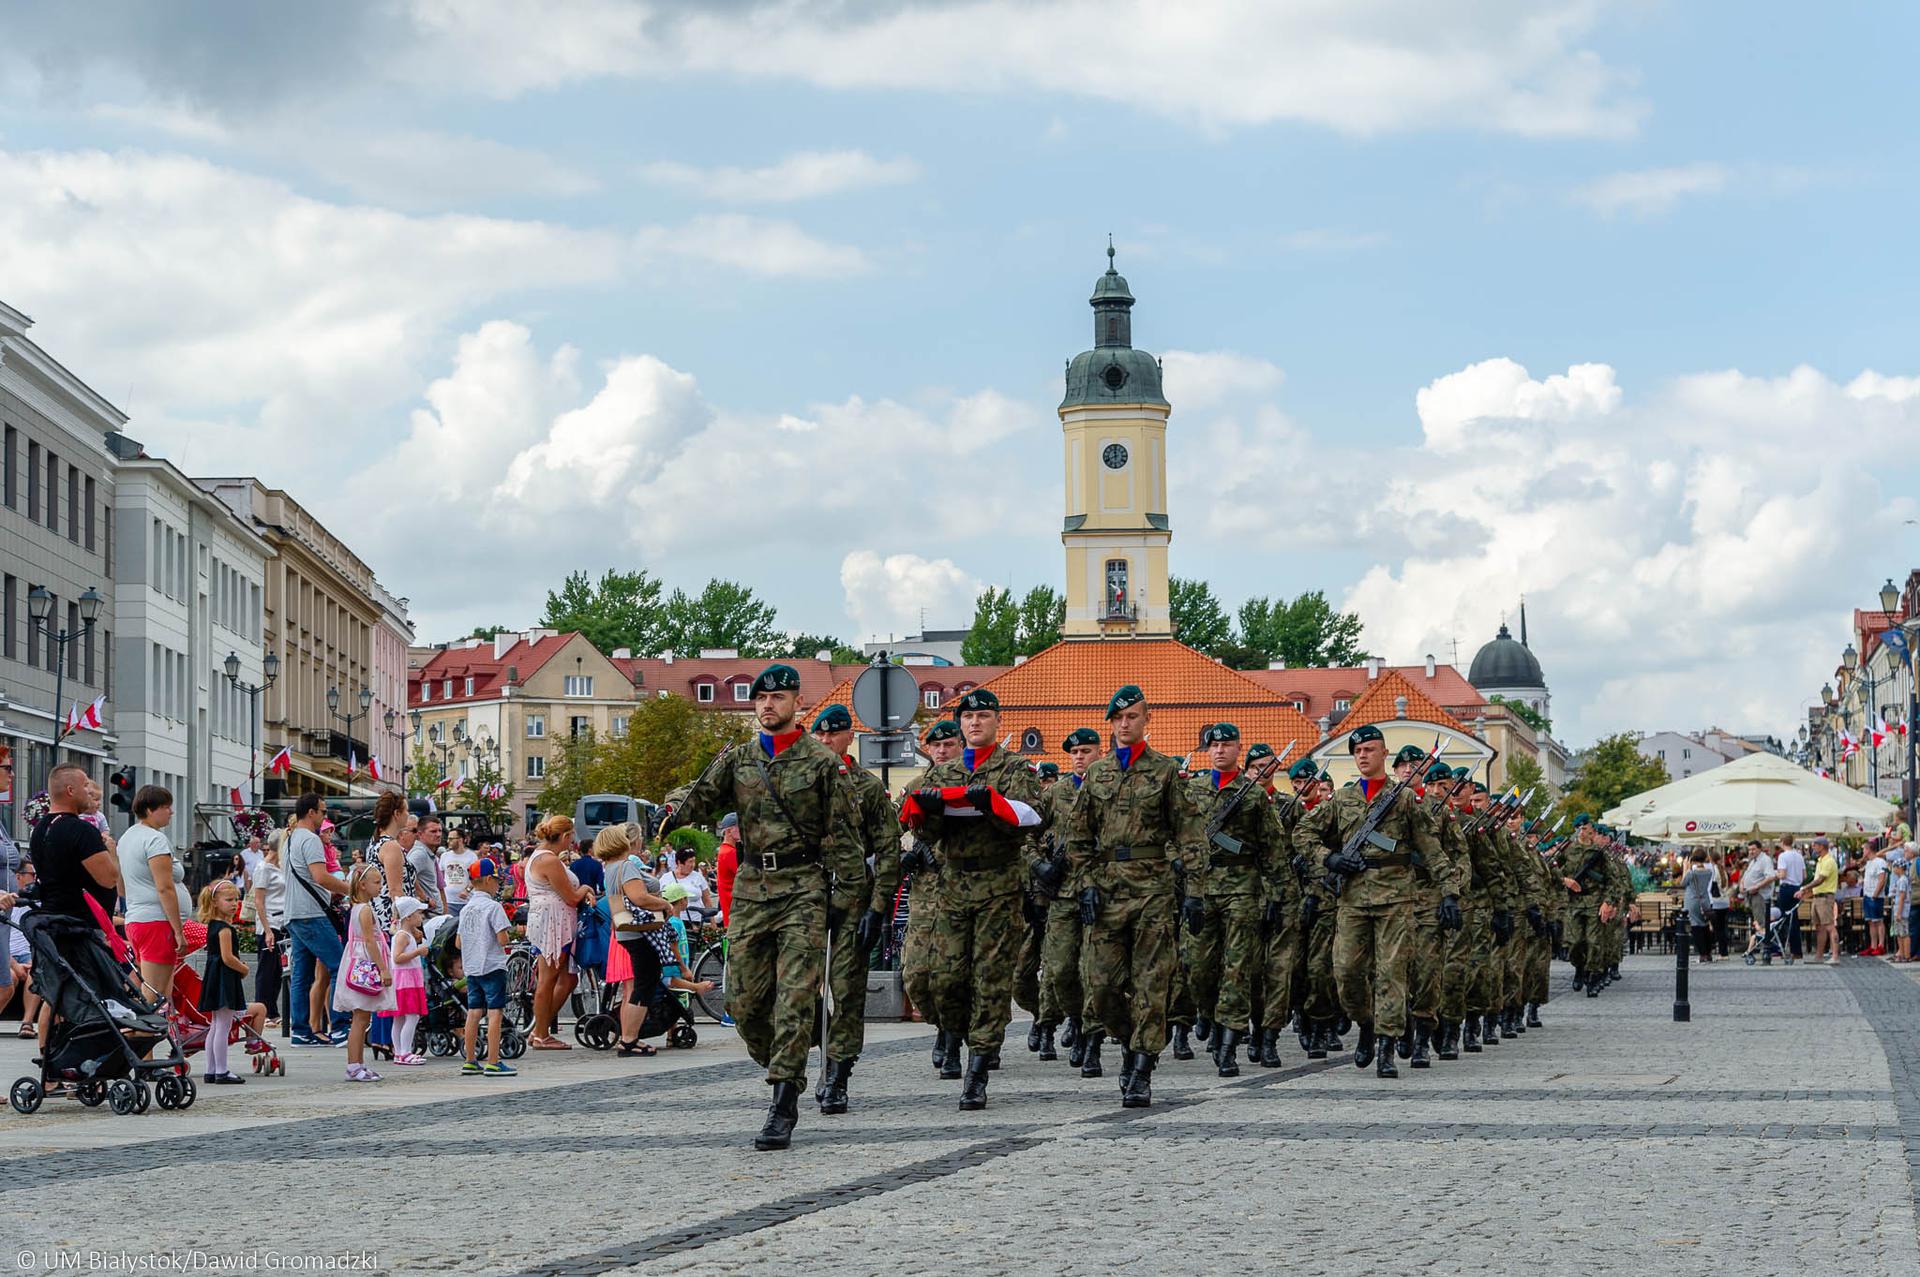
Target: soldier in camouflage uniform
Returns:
[1445, 789]
[1227, 886]
[787, 789]
[1062, 996]
[1506, 912]
[941, 742]
[1478, 990]
[1033, 908]
[1275, 983]
[1528, 899]
[1427, 962]
[1132, 818]
[863, 879]
[1379, 890]
[976, 936]
[1313, 975]
[1540, 950]
[1584, 872]
[1622, 898]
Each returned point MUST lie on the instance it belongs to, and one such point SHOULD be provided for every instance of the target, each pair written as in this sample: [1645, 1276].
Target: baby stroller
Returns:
[666, 1014]
[443, 1027]
[101, 1026]
[1771, 943]
[188, 1025]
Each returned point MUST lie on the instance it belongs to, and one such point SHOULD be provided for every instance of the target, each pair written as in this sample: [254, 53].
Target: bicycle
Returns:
[712, 965]
[522, 960]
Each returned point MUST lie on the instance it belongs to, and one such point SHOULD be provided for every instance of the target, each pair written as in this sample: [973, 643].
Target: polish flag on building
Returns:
[373, 768]
[281, 763]
[353, 763]
[446, 782]
[233, 795]
[1879, 736]
[95, 714]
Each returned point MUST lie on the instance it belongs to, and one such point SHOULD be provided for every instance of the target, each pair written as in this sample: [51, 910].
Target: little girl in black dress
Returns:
[223, 990]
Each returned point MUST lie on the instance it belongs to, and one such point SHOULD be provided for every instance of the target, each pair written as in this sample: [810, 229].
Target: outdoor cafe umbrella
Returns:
[1759, 795]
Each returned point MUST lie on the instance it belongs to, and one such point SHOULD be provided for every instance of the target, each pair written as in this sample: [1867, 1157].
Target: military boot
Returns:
[1226, 1052]
[1448, 1047]
[939, 1048]
[974, 1094]
[782, 1116]
[1470, 1035]
[1202, 1029]
[1139, 1090]
[1033, 1036]
[993, 1060]
[1507, 1031]
[1307, 1032]
[950, 1060]
[1613, 973]
[1269, 1048]
[1363, 1053]
[1520, 1018]
[833, 1087]
[1383, 1065]
[1490, 1029]
[1126, 1072]
[1046, 1044]
[1182, 1044]
[1405, 1041]
[1533, 1016]
[1335, 1028]
[1422, 1038]
[1070, 1032]
[1090, 1064]
[1593, 984]
[1316, 1041]
[1579, 980]
[1077, 1053]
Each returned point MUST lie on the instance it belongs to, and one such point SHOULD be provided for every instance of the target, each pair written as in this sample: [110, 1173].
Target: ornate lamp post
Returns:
[365, 701]
[40, 613]
[270, 666]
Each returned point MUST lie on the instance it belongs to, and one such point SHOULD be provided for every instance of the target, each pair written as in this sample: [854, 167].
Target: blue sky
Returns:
[783, 292]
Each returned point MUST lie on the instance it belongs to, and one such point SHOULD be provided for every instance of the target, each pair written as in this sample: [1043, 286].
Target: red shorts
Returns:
[153, 941]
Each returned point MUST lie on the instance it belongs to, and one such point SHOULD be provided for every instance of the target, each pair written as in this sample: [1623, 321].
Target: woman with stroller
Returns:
[1698, 888]
[637, 930]
[154, 881]
[554, 897]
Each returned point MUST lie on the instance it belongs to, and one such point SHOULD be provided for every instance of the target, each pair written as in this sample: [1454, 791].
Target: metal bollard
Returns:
[1682, 1012]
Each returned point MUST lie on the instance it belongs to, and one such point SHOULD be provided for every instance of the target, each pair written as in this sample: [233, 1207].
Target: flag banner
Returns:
[373, 768]
[281, 763]
[957, 804]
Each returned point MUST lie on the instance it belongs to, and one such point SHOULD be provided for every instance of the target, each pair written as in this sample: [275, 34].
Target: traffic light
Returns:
[121, 783]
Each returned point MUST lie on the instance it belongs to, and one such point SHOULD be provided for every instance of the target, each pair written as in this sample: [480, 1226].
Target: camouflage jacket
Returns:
[1217, 872]
[1622, 893]
[1391, 877]
[980, 856]
[1489, 876]
[1130, 824]
[1306, 877]
[1058, 806]
[866, 873]
[1526, 883]
[1586, 865]
[1458, 874]
[808, 778]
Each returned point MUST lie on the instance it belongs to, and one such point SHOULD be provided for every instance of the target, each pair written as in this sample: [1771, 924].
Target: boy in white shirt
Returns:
[483, 955]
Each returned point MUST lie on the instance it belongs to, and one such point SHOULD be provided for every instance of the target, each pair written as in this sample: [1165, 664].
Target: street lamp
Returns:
[271, 667]
[1889, 596]
[1826, 694]
[40, 612]
[1850, 658]
[365, 700]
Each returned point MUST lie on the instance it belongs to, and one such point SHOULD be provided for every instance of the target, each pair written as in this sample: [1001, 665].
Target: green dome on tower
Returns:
[1113, 372]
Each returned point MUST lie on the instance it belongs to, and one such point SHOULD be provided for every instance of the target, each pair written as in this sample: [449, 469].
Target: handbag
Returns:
[334, 913]
[363, 973]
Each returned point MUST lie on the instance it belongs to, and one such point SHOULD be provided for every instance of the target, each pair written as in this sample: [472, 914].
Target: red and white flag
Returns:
[1879, 736]
[373, 767]
[353, 763]
[233, 795]
[95, 713]
[281, 763]
[954, 800]
[446, 782]
[73, 719]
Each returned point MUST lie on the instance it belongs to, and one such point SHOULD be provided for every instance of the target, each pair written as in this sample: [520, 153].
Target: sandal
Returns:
[26, 1031]
[636, 1047]
[549, 1043]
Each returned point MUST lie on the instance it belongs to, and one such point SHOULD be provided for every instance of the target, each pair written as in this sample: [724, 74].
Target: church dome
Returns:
[1506, 664]
[1113, 372]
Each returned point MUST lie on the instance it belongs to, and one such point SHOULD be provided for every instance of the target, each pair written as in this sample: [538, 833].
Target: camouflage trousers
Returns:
[1200, 953]
[971, 957]
[1617, 937]
[1026, 968]
[1227, 956]
[1370, 952]
[1276, 983]
[1539, 965]
[1313, 972]
[776, 955]
[1061, 993]
[914, 968]
[1127, 963]
[1426, 961]
[1586, 946]
[1464, 988]
[847, 981]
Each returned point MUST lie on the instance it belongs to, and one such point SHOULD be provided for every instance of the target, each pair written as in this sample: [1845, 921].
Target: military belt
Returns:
[771, 861]
[1224, 860]
[1121, 852]
[1394, 861]
[975, 864]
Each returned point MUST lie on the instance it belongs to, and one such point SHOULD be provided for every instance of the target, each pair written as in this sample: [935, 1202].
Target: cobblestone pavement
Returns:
[1778, 1132]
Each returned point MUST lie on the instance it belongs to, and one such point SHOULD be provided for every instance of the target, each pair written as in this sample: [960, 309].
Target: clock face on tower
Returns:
[1115, 456]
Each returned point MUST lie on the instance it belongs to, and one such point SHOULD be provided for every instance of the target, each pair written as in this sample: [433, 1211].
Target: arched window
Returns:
[1117, 597]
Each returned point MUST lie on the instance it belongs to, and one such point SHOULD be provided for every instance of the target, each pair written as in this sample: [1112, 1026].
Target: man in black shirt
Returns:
[71, 856]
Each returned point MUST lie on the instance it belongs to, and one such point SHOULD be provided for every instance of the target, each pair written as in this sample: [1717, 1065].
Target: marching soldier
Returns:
[1062, 996]
[1488, 881]
[965, 807]
[1443, 797]
[1427, 962]
[1540, 955]
[1133, 815]
[1584, 873]
[1378, 891]
[941, 742]
[1313, 976]
[1027, 994]
[786, 788]
[1274, 979]
[864, 879]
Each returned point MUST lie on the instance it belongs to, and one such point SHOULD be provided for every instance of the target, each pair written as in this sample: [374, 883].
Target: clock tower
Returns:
[1114, 419]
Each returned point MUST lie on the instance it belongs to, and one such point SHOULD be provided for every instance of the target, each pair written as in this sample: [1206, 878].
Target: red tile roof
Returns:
[1319, 688]
[475, 659]
[1870, 624]
[1378, 706]
[681, 675]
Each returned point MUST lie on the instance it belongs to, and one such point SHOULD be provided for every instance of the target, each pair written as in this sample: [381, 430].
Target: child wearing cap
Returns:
[409, 977]
[483, 955]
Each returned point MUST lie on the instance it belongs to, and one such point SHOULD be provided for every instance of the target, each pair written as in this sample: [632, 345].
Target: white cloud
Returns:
[1649, 192]
[753, 244]
[890, 595]
[804, 175]
[1497, 390]
[1364, 66]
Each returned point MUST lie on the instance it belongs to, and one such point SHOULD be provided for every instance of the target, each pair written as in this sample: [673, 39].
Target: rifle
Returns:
[1351, 856]
[667, 824]
[1216, 824]
[1504, 801]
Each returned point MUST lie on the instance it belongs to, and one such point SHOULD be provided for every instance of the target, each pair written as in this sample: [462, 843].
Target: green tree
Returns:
[1042, 612]
[1525, 713]
[1199, 620]
[802, 646]
[622, 609]
[1303, 631]
[723, 614]
[1614, 770]
[423, 773]
[1524, 774]
[477, 794]
[487, 631]
[994, 636]
[668, 741]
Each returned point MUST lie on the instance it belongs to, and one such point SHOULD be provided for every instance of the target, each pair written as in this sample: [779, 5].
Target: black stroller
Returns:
[666, 1014]
[102, 1026]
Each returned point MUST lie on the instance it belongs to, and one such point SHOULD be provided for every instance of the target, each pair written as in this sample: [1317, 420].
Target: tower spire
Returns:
[1523, 620]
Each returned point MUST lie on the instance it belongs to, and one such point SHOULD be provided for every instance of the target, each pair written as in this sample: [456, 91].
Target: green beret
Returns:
[777, 678]
[1582, 819]
[1050, 771]
[1126, 697]
[1259, 751]
[1302, 770]
[1080, 736]
[1479, 787]
[833, 718]
[978, 698]
[1326, 775]
[1219, 733]
[1409, 754]
[1361, 735]
[1439, 772]
[1461, 773]
[945, 729]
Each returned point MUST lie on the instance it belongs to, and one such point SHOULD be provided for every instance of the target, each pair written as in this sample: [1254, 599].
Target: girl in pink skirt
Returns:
[409, 977]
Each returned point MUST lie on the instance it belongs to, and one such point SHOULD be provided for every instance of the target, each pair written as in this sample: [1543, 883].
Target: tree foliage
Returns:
[1613, 771]
[1199, 620]
[487, 631]
[994, 636]
[724, 614]
[1302, 631]
[622, 609]
[1526, 713]
[668, 741]
[801, 646]
[1524, 774]
[1042, 612]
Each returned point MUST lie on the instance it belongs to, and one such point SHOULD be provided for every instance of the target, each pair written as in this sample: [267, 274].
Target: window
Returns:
[931, 698]
[73, 504]
[467, 688]
[33, 480]
[703, 692]
[446, 689]
[536, 725]
[1342, 703]
[9, 472]
[106, 682]
[1116, 587]
[1686, 752]
[106, 526]
[426, 691]
[743, 691]
[53, 491]
[536, 767]
[579, 685]
[579, 725]
[1301, 706]
[86, 655]
[33, 636]
[8, 600]
[619, 726]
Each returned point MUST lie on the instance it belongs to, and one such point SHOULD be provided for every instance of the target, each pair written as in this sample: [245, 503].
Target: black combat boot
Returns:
[1334, 1029]
[1613, 973]
[1520, 1018]
[833, 1087]
[1226, 1053]
[1077, 1053]
[782, 1116]
[1126, 1071]
[1405, 1041]
[1422, 1038]
[1363, 1054]
[1269, 1048]
[1139, 1090]
[1533, 1016]
[1202, 1029]
[1316, 1045]
[1307, 1031]
[1046, 1044]
[1070, 1032]
[1182, 1044]
[1033, 1037]
[1470, 1035]
[1593, 984]
[993, 1060]
[1090, 1063]
[1490, 1029]
[950, 1061]
[1507, 1031]
[1448, 1047]
[939, 1048]
[974, 1094]
[1383, 1065]
[1579, 980]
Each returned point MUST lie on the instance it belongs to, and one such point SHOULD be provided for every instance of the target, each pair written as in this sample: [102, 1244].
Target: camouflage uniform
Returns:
[923, 888]
[1586, 864]
[1229, 952]
[1062, 997]
[977, 923]
[1129, 821]
[865, 875]
[1540, 948]
[1447, 875]
[1526, 894]
[777, 924]
[1622, 897]
[1488, 885]
[1280, 986]
[1313, 971]
[1374, 929]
